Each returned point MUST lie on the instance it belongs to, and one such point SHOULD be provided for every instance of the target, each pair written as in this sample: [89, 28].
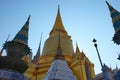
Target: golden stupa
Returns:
[77, 61]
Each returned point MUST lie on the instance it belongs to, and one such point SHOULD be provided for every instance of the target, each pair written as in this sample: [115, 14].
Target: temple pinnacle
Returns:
[22, 35]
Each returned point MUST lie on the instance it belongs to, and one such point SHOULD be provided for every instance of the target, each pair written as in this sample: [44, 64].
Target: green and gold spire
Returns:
[22, 35]
[115, 15]
[58, 25]
[66, 42]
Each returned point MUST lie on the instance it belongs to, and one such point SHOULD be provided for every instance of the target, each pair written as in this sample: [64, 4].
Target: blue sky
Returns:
[82, 19]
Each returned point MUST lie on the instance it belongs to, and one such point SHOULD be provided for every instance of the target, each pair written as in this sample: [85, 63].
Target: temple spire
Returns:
[22, 35]
[58, 25]
[38, 51]
[77, 48]
[115, 15]
[59, 54]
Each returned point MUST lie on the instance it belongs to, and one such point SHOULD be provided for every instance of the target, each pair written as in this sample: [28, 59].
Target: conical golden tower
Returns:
[50, 45]
[65, 53]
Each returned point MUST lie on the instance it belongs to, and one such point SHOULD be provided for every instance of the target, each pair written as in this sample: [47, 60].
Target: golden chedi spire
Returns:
[58, 25]
[50, 45]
